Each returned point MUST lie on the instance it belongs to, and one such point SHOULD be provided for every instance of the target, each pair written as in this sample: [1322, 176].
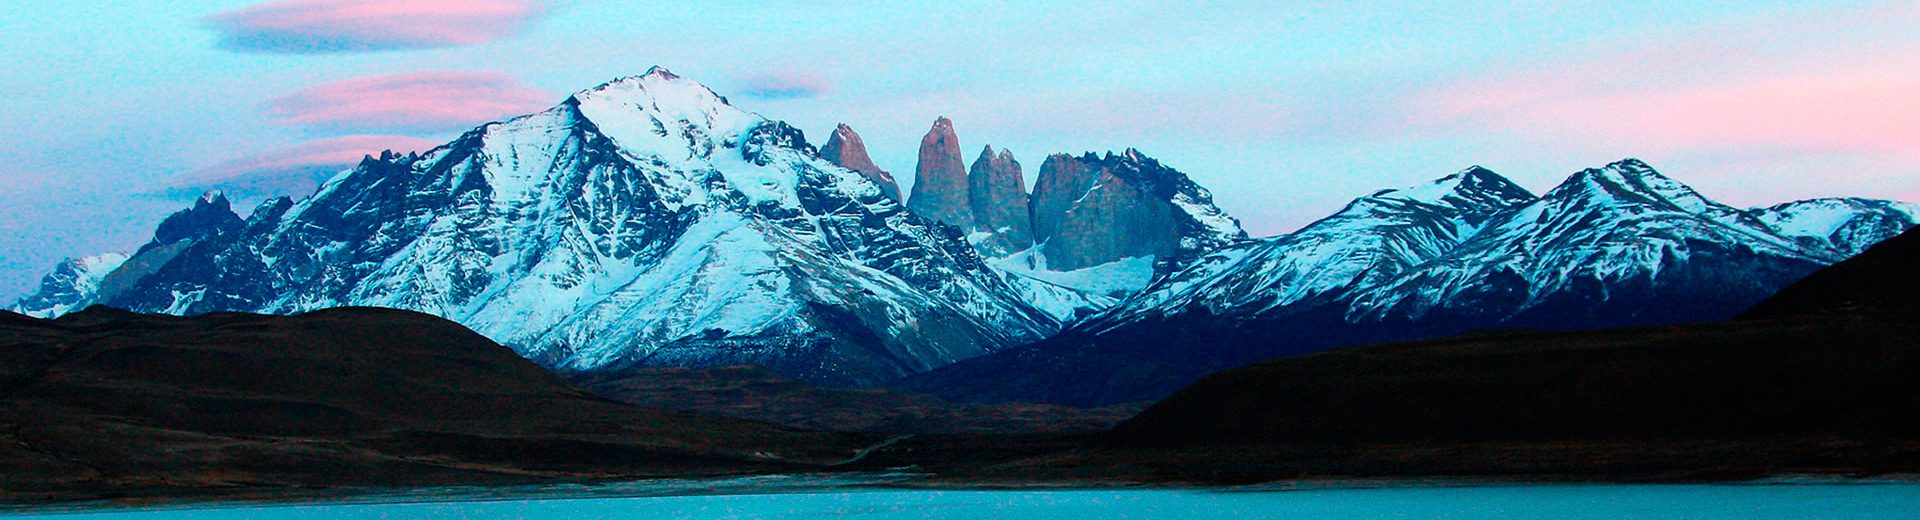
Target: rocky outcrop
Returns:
[1125, 213]
[940, 179]
[846, 149]
[1094, 210]
[210, 218]
[1063, 179]
[997, 194]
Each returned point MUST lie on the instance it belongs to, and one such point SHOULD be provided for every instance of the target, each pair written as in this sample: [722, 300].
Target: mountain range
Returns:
[645, 221]
[1620, 245]
[648, 222]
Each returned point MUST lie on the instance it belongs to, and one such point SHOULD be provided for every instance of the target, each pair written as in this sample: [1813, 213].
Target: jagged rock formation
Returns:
[997, 197]
[844, 148]
[209, 220]
[940, 178]
[1103, 225]
[1063, 179]
[1615, 246]
[644, 222]
[1114, 223]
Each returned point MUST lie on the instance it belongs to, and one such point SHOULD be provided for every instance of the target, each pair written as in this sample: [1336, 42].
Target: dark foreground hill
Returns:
[1823, 378]
[761, 394]
[106, 404]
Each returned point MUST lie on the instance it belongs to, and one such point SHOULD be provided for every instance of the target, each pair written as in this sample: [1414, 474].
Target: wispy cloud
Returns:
[329, 26]
[295, 170]
[416, 102]
[785, 84]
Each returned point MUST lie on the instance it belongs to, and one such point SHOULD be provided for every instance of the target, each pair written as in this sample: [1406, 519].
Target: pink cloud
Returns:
[785, 84]
[325, 26]
[297, 170]
[1785, 85]
[1861, 107]
[425, 101]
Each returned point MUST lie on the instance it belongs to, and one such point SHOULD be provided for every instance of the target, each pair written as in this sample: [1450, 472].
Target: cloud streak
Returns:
[335, 26]
[415, 102]
[785, 84]
[296, 170]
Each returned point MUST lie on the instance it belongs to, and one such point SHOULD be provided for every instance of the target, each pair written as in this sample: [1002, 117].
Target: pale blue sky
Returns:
[118, 110]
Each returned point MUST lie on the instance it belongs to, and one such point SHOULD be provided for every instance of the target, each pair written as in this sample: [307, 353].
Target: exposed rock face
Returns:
[1063, 179]
[998, 195]
[846, 149]
[210, 219]
[1094, 210]
[940, 180]
[212, 214]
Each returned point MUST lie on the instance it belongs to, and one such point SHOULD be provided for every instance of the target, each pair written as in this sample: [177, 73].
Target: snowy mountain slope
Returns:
[73, 283]
[1847, 225]
[644, 221]
[1610, 246]
[1372, 240]
[1123, 276]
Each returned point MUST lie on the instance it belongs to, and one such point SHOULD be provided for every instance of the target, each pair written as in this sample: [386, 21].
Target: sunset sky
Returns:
[119, 112]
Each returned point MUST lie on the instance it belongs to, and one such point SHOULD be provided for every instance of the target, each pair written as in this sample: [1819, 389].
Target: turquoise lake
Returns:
[1541, 501]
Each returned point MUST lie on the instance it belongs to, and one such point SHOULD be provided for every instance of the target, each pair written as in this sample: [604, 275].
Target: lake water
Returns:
[1543, 501]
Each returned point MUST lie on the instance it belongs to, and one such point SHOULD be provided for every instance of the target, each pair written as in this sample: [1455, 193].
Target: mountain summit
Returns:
[940, 179]
[844, 148]
[997, 195]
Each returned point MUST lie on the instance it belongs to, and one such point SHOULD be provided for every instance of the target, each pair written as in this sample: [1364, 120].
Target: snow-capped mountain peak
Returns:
[1847, 225]
[73, 284]
[660, 114]
[1473, 188]
[1633, 179]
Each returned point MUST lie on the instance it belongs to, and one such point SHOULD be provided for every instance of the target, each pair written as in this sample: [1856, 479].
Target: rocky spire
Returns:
[998, 195]
[940, 180]
[211, 214]
[846, 149]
